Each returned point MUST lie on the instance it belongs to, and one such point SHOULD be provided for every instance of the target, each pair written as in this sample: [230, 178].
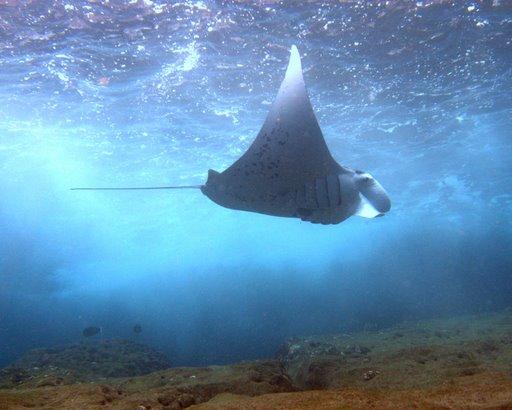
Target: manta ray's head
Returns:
[374, 198]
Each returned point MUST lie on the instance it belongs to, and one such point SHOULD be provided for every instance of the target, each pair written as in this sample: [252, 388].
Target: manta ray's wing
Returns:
[288, 155]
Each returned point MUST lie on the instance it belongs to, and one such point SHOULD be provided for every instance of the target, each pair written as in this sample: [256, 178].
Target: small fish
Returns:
[91, 331]
[137, 329]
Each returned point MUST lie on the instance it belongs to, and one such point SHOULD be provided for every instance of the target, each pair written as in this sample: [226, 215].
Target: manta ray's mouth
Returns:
[366, 209]
[374, 200]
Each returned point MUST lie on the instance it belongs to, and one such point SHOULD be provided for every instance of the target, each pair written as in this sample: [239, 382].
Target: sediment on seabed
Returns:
[449, 363]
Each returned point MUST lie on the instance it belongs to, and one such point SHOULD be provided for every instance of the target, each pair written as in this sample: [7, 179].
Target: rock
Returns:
[311, 363]
[487, 347]
[186, 400]
[164, 401]
[469, 371]
[320, 374]
[177, 389]
[255, 376]
[84, 362]
[507, 339]
[356, 350]
[50, 380]
[370, 374]
[12, 376]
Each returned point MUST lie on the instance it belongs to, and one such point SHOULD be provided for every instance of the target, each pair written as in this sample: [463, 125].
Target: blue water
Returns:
[143, 93]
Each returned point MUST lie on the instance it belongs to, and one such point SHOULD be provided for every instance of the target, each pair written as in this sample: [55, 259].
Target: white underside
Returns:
[366, 209]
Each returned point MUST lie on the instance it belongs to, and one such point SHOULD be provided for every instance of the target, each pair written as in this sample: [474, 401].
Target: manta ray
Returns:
[288, 170]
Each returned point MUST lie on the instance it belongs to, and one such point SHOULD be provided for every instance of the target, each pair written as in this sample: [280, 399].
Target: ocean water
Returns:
[138, 93]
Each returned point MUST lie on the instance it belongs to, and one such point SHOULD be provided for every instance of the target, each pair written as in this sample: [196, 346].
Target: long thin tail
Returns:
[138, 188]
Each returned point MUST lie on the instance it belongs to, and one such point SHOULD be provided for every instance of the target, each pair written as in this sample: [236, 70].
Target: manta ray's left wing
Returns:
[289, 152]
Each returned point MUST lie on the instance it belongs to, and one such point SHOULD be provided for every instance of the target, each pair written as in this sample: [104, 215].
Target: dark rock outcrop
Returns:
[84, 362]
[316, 362]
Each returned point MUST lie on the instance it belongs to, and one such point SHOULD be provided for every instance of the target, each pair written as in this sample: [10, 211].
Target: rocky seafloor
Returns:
[461, 362]
[83, 362]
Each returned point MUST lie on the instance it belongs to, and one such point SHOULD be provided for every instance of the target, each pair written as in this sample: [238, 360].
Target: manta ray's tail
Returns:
[138, 188]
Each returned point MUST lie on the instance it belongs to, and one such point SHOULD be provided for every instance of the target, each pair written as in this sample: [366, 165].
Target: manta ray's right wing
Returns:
[288, 156]
[290, 147]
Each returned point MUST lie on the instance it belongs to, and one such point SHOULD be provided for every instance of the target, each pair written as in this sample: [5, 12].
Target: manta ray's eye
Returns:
[358, 172]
